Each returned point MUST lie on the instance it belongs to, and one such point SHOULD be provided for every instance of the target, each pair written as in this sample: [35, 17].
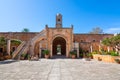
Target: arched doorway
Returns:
[59, 46]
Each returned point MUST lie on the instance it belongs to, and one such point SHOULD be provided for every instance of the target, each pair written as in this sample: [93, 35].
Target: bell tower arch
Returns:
[58, 21]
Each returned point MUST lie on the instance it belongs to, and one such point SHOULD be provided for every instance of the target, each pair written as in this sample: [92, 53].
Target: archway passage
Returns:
[59, 46]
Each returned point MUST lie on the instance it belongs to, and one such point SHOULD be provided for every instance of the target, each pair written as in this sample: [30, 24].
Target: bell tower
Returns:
[58, 21]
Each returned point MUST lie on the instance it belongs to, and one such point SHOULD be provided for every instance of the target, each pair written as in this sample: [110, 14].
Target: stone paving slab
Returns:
[59, 69]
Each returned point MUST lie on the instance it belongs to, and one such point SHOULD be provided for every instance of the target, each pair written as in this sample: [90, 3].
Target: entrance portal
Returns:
[59, 46]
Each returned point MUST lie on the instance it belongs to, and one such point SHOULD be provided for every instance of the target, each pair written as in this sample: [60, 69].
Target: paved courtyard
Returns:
[59, 69]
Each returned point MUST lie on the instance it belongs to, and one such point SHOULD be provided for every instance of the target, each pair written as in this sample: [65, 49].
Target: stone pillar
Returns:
[8, 46]
[78, 52]
[76, 47]
[108, 48]
[46, 45]
[40, 50]
[32, 47]
[51, 51]
[91, 48]
[67, 52]
[99, 48]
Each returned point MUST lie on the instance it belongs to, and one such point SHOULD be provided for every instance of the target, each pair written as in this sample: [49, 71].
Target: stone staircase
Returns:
[39, 36]
[25, 49]
[24, 46]
[16, 52]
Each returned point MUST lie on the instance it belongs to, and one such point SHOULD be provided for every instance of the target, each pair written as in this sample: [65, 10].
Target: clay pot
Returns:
[73, 56]
[46, 56]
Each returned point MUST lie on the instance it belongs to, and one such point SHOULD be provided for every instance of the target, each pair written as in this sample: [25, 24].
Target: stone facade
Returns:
[50, 38]
[65, 33]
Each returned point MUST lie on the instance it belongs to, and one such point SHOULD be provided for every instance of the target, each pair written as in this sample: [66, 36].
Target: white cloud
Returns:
[113, 30]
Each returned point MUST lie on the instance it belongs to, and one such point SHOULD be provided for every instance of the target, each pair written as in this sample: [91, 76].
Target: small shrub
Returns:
[23, 55]
[104, 52]
[113, 53]
[46, 52]
[95, 52]
[73, 52]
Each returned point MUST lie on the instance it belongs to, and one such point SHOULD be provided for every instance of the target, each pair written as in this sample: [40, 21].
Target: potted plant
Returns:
[22, 56]
[73, 54]
[28, 56]
[46, 53]
[88, 57]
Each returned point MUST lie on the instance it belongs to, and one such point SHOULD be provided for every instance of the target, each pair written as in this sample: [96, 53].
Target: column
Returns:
[67, 54]
[99, 48]
[78, 52]
[91, 48]
[51, 51]
[46, 45]
[108, 48]
[77, 48]
[40, 50]
[8, 46]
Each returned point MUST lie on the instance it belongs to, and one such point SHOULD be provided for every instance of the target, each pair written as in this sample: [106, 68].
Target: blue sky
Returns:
[83, 14]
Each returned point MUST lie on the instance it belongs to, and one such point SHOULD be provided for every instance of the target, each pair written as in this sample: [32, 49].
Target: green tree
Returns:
[113, 41]
[15, 42]
[96, 30]
[2, 41]
[106, 42]
[25, 30]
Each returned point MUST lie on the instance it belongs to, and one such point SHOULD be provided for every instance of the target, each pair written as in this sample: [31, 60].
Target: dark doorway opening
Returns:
[1, 50]
[13, 49]
[59, 46]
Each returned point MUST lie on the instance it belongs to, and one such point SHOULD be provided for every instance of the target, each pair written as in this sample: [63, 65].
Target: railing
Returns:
[15, 53]
[24, 49]
[42, 33]
[24, 46]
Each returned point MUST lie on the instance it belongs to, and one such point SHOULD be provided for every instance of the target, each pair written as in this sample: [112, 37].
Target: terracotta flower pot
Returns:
[46, 56]
[73, 56]
[21, 58]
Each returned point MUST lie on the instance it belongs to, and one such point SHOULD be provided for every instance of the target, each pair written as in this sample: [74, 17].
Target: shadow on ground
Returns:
[61, 57]
[8, 61]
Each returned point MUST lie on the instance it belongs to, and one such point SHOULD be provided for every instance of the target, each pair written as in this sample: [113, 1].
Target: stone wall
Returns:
[87, 40]
[23, 36]
[84, 40]
[66, 33]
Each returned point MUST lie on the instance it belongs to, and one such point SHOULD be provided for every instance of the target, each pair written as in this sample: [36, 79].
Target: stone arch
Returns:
[33, 44]
[37, 46]
[58, 35]
[64, 37]
[62, 43]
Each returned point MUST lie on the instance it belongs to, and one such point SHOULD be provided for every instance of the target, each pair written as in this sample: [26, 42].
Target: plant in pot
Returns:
[73, 54]
[88, 57]
[28, 56]
[46, 53]
[23, 56]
